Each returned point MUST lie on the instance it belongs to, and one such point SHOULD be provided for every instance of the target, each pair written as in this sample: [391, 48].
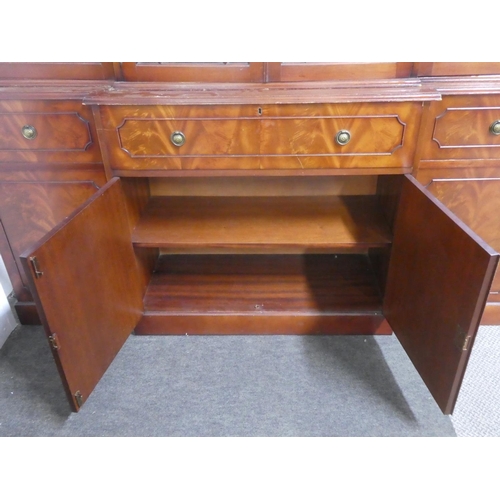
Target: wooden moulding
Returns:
[263, 294]
[154, 93]
[302, 223]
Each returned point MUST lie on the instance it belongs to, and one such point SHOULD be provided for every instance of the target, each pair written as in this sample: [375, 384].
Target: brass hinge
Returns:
[462, 339]
[54, 342]
[78, 399]
[36, 267]
[466, 343]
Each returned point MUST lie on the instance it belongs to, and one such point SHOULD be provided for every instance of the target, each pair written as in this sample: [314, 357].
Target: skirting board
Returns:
[7, 320]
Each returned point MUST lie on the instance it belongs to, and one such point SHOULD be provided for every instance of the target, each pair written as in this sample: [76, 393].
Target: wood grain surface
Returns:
[477, 203]
[57, 70]
[89, 294]
[28, 211]
[65, 132]
[293, 137]
[317, 71]
[300, 223]
[438, 282]
[461, 128]
[193, 71]
[255, 294]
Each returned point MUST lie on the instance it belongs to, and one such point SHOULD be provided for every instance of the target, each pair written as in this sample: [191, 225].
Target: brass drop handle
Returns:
[178, 138]
[343, 137]
[495, 127]
[29, 132]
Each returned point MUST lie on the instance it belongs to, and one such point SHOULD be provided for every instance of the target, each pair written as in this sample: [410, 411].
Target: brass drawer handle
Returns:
[495, 127]
[343, 137]
[178, 138]
[29, 132]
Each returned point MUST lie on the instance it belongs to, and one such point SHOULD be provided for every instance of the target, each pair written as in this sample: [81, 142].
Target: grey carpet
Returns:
[224, 386]
[477, 412]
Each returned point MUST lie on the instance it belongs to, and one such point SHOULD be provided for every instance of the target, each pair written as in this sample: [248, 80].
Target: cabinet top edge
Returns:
[51, 89]
[110, 92]
[153, 93]
[470, 85]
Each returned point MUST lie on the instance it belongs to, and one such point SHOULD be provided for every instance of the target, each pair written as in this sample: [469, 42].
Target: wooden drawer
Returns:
[261, 137]
[39, 131]
[150, 137]
[461, 129]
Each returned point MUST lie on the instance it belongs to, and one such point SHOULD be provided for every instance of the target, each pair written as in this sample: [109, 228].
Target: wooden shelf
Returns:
[296, 223]
[238, 294]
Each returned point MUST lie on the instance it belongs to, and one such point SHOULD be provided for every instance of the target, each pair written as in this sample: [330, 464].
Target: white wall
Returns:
[7, 321]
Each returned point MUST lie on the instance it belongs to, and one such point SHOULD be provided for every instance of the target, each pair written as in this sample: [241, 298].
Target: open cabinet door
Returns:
[84, 278]
[438, 280]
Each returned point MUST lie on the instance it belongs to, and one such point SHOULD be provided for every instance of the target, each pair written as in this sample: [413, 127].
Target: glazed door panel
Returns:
[193, 71]
[439, 276]
[85, 280]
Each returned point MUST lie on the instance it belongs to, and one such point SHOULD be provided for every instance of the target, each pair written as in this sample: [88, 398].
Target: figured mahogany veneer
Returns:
[107, 300]
[65, 132]
[55, 132]
[460, 129]
[28, 211]
[259, 223]
[261, 137]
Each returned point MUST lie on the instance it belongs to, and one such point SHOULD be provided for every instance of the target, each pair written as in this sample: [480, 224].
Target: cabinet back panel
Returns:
[258, 186]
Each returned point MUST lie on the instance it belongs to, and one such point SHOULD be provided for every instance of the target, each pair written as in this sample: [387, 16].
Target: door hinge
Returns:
[462, 340]
[36, 267]
[54, 342]
[78, 399]
[466, 343]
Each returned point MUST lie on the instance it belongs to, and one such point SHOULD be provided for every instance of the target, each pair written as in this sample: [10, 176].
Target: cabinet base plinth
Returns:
[27, 313]
[204, 324]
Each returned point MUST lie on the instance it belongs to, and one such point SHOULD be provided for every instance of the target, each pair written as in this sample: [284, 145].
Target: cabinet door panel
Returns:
[439, 276]
[193, 71]
[89, 295]
[315, 71]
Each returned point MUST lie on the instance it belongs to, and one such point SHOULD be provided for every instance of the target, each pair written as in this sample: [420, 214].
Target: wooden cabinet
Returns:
[289, 265]
[246, 208]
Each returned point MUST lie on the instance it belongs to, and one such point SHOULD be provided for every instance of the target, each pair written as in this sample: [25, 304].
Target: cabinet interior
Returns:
[240, 254]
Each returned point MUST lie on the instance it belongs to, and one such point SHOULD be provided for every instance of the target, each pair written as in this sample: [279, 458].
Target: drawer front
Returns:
[151, 137]
[44, 132]
[462, 128]
[368, 135]
[261, 137]
[48, 132]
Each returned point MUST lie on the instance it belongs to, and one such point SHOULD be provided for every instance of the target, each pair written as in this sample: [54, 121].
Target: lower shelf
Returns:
[263, 294]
